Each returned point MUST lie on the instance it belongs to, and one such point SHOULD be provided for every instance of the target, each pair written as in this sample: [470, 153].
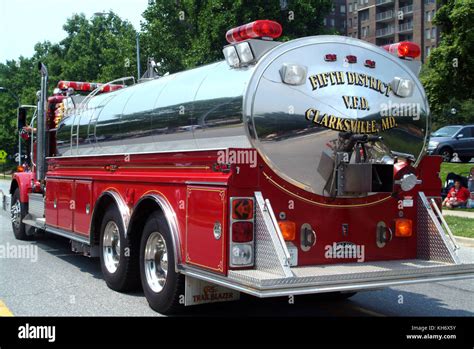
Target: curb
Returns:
[468, 242]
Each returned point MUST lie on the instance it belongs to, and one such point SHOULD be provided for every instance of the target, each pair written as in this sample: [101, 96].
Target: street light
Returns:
[6, 90]
[137, 39]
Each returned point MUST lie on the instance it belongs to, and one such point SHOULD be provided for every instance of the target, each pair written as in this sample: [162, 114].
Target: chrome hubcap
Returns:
[111, 247]
[156, 262]
[16, 214]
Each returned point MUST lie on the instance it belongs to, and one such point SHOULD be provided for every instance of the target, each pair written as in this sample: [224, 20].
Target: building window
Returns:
[433, 14]
[428, 16]
[433, 33]
[428, 50]
[332, 22]
[350, 7]
[365, 32]
[344, 24]
[325, 21]
[427, 34]
[350, 22]
[355, 6]
[343, 9]
[364, 15]
[366, 1]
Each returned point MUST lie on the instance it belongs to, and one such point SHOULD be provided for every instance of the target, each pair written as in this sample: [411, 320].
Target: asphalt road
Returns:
[58, 282]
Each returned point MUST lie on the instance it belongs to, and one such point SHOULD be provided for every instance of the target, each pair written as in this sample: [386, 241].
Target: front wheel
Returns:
[162, 285]
[465, 159]
[18, 212]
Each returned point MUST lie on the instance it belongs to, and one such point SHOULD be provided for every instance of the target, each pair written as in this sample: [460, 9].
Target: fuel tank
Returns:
[295, 128]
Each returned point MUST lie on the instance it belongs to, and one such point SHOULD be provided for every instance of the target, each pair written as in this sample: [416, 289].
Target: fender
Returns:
[23, 180]
[170, 217]
[119, 203]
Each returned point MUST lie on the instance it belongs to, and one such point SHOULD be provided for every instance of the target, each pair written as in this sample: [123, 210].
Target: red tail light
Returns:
[369, 63]
[351, 59]
[242, 209]
[330, 57]
[404, 49]
[258, 29]
[242, 231]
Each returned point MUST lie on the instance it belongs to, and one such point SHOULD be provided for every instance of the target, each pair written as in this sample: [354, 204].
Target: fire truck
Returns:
[287, 168]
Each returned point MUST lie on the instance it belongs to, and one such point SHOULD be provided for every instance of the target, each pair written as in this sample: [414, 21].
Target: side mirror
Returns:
[459, 136]
[21, 118]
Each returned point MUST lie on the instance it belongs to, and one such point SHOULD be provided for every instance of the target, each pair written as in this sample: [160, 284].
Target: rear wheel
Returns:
[118, 258]
[18, 212]
[162, 285]
[446, 154]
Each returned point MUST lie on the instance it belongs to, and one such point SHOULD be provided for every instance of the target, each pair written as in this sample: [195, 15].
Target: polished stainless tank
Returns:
[216, 106]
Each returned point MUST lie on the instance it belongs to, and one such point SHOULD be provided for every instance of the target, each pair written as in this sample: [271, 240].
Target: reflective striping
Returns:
[4, 311]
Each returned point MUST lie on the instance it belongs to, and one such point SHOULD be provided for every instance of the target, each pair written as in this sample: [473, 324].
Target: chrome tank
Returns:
[215, 107]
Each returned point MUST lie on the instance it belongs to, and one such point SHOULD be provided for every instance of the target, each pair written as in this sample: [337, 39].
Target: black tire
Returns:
[20, 229]
[126, 276]
[446, 153]
[166, 301]
[465, 159]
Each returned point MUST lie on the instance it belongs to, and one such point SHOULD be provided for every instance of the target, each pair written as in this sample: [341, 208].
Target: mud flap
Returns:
[201, 292]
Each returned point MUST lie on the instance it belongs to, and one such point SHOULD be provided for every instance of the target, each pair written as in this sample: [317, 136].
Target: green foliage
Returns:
[93, 50]
[189, 33]
[448, 75]
[178, 34]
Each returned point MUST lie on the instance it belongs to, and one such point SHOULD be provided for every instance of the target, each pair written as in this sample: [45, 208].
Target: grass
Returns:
[456, 167]
[461, 226]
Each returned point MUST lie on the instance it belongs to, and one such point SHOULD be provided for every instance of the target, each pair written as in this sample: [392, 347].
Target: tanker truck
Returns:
[287, 168]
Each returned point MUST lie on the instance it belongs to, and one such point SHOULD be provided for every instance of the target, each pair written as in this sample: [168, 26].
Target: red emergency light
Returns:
[87, 86]
[259, 29]
[404, 49]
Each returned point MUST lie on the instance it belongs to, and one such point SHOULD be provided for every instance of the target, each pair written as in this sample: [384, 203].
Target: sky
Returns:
[23, 23]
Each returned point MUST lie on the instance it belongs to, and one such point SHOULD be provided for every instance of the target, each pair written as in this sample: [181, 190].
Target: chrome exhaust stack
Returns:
[41, 128]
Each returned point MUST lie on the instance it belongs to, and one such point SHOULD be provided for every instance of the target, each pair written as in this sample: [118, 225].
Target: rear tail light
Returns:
[404, 49]
[288, 230]
[257, 29]
[242, 209]
[242, 246]
[403, 227]
[242, 232]
[330, 57]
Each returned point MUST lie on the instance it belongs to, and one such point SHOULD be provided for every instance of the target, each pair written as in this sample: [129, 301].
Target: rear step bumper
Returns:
[437, 260]
[340, 278]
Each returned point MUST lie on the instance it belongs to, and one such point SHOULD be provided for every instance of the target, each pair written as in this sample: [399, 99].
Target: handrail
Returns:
[99, 88]
[445, 224]
[277, 228]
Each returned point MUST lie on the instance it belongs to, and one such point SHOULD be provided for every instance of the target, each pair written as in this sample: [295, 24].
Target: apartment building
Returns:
[384, 22]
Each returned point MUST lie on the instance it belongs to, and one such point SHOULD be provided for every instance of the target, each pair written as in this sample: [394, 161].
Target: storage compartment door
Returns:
[51, 202]
[206, 228]
[66, 203]
[83, 209]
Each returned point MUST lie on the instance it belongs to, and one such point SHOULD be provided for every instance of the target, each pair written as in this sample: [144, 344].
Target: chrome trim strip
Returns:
[135, 153]
[67, 234]
[171, 220]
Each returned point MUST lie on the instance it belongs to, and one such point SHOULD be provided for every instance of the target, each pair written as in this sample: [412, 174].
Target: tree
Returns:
[448, 75]
[188, 33]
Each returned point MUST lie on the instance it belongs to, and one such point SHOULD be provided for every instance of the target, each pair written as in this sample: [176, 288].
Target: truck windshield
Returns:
[447, 131]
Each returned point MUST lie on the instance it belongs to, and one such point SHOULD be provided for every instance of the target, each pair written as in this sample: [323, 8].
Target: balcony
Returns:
[384, 2]
[407, 10]
[404, 27]
[385, 32]
[384, 16]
